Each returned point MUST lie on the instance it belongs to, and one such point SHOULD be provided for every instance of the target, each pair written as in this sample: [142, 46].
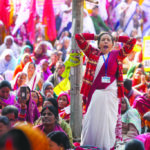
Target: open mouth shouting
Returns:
[105, 47]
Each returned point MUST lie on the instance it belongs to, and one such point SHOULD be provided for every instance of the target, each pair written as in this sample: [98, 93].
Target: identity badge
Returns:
[105, 79]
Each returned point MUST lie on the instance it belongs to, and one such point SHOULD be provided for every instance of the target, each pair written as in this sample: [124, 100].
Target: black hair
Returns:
[134, 144]
[33, 64]
[148, 86]
[60, 138]
[140, 65]
[100, 36]
[5, 83]
[17, 138]
[52, 109]
[5, 120]
[128, 84]
[53, 101]
[10, 109]
[95, 7]
[29, 44]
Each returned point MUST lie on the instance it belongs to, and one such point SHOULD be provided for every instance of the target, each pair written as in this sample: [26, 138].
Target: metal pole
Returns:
[76, 72]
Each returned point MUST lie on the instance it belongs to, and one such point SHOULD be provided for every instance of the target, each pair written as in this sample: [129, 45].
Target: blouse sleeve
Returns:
[82, 41]
[127, 47]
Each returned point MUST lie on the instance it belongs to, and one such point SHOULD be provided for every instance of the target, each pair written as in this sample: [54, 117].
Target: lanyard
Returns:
[106, 63]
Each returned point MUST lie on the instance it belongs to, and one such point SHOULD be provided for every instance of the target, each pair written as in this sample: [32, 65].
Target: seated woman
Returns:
[142, 104]
[63, 101]
[7, 61]
[25, 59]
[38, 98]
[4, 125]
[131, 122]
[40, 53]
[139, 80]
[49, 120]
[47, 102]
[44, 69]
[58, 140]
[6, 97]
[25, 49]
[64, 125]
[47, 90]
[27, 108]
[9, 43]
[34, 80]
[131, 70]
[19, 80]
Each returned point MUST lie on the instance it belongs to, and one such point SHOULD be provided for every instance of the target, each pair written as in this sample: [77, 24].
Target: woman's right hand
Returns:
[49, 95]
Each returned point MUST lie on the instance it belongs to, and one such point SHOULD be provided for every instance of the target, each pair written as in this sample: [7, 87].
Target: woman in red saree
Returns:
[142, 104]
[63, 101]
[139, 80]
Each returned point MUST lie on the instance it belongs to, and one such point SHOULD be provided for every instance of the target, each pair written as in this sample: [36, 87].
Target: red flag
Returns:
[31, 22]
[49, 19]
[5, 10]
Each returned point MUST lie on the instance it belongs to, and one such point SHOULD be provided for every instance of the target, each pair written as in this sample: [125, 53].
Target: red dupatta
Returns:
[62, 111]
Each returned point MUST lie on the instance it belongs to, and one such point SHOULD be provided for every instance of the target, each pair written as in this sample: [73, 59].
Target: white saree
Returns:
[101, 118]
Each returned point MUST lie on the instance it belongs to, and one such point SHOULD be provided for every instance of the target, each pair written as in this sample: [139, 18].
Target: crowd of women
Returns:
[115, 90]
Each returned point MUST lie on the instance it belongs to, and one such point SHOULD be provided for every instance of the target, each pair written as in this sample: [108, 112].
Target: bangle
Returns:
[96, 37]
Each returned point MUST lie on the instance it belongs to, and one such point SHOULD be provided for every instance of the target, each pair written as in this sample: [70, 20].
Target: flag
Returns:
[6, 12]
[31, 22]
[23, 14]
[11, 12]
[48, 20]
[140, 2]
[63, 86]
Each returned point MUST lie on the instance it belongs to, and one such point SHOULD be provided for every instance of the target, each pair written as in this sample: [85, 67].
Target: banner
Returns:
[63, 86]
[146, 53]
[6, 12]
[48, 19]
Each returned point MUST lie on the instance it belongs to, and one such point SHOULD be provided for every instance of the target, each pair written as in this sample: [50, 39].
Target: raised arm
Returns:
[82, 41]
[127, 47]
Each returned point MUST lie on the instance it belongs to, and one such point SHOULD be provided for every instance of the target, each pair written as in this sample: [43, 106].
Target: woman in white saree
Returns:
[34, 80]
[102, 85]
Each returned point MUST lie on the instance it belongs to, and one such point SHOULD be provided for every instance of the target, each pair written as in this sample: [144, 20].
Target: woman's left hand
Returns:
[125, 125]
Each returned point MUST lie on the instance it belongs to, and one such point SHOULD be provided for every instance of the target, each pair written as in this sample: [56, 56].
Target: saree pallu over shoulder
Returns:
[93, 55]
[111, 72]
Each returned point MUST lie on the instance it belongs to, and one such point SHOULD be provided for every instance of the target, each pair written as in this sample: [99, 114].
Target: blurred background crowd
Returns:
[35, 43]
